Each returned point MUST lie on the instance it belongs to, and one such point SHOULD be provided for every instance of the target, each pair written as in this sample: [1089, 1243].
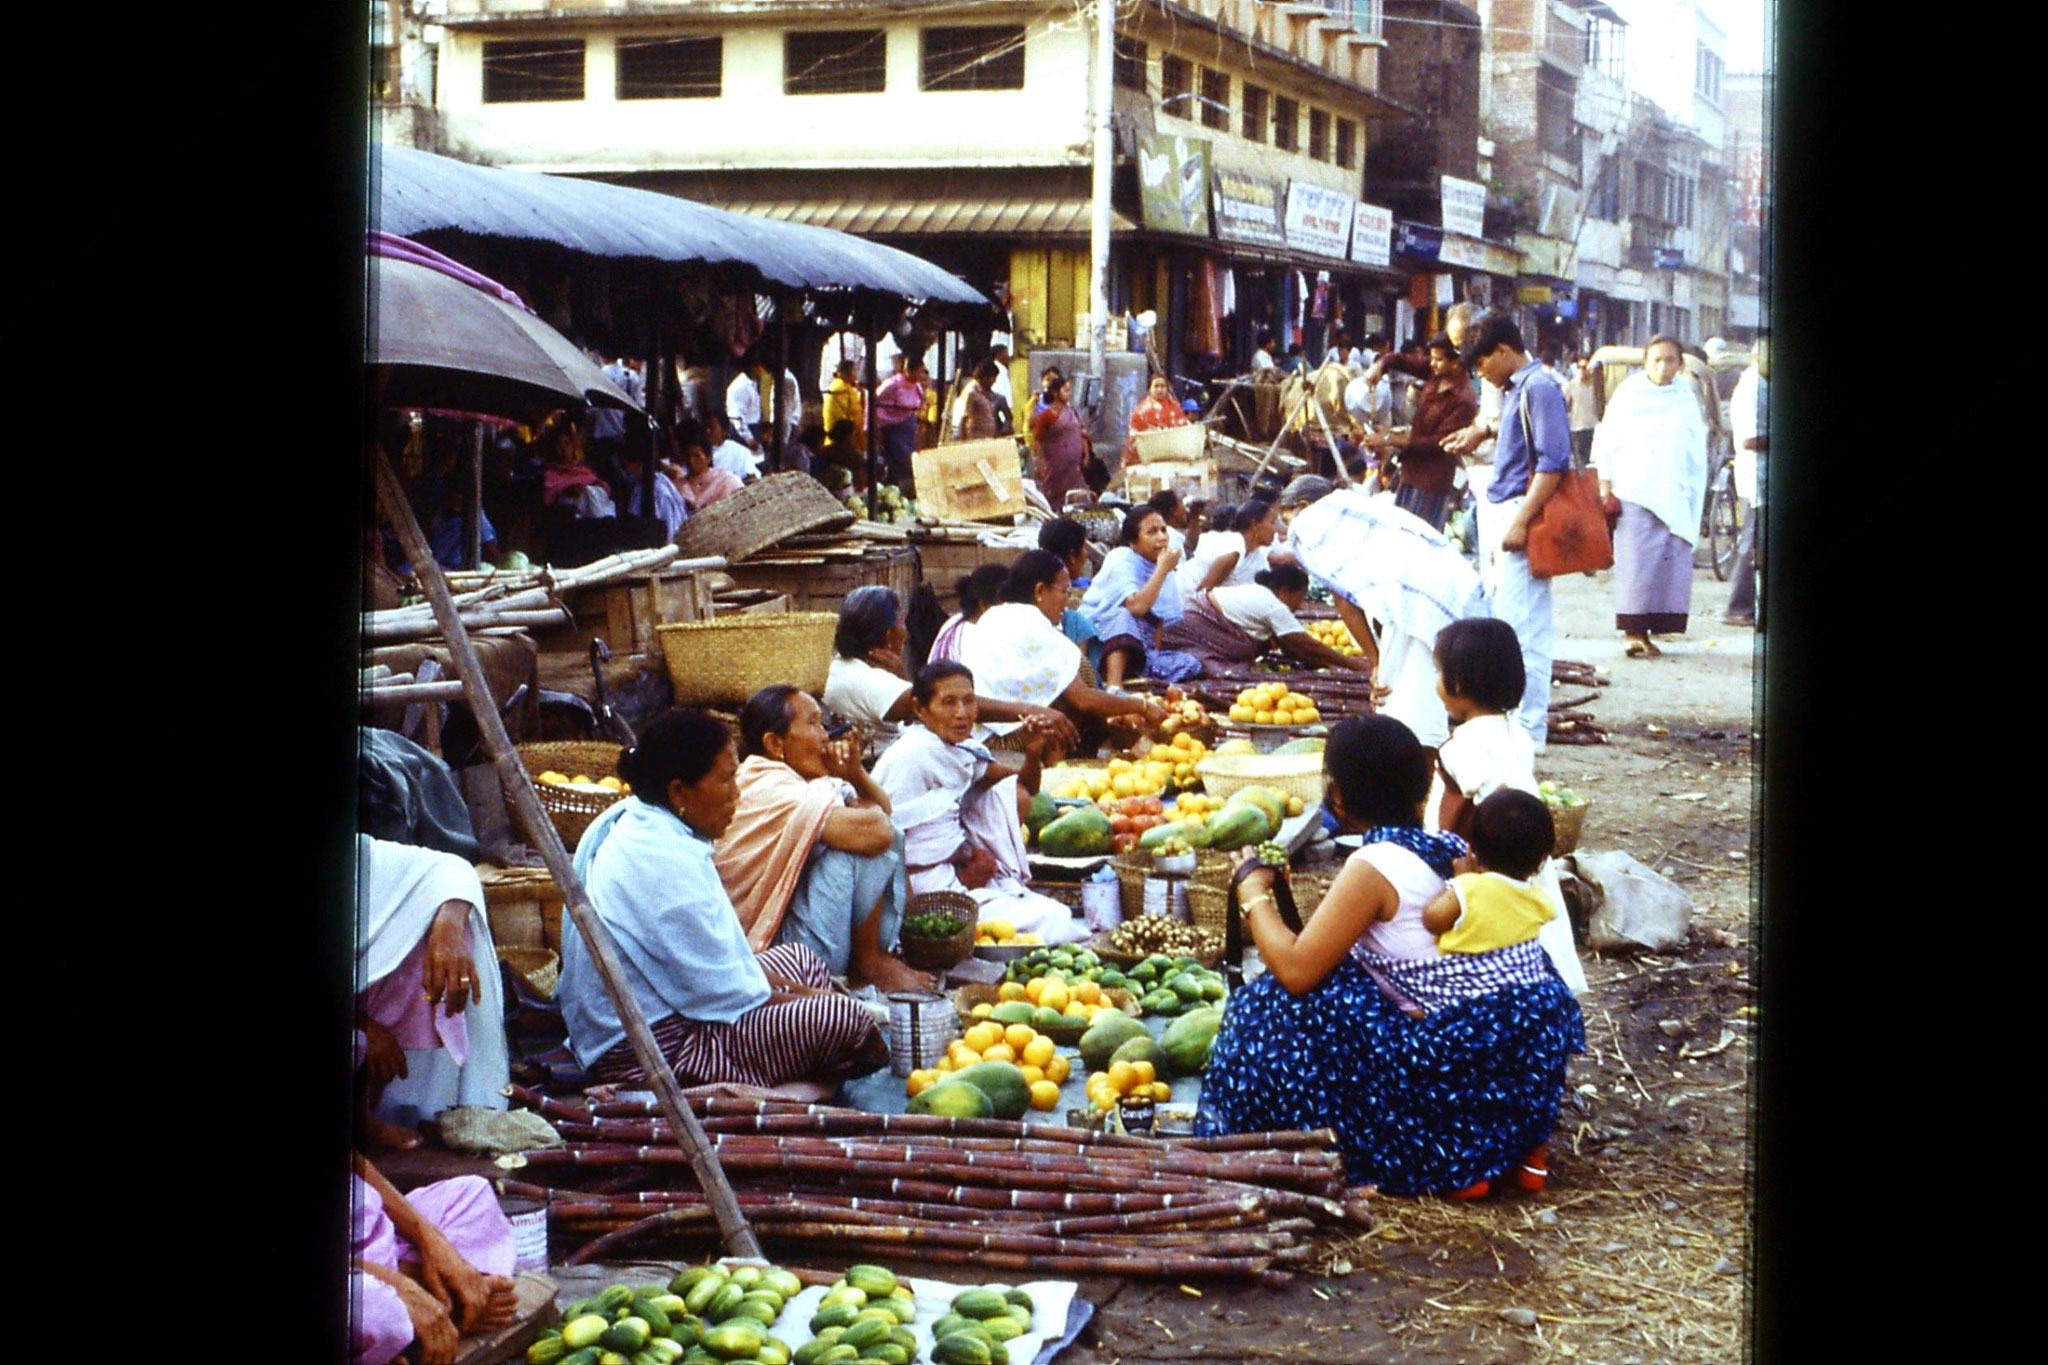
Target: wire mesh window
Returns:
[1347, 143]
[1176, 84]
[1215, 99]
[1319, 134]
[834, 62]
[1286, 124]
[1127, 64]
[671, 68]
[520, 72]
[1257, 109]
[979, 58]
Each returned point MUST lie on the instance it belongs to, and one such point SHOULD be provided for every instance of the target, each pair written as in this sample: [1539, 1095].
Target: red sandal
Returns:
[1477, 1190]
[1533, 1170]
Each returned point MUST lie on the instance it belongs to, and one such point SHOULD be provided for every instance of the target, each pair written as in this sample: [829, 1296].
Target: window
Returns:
[1256, 112]
[1556, 130]
[516, 73]
[978, 58]
[1286, 124]
[1215, 99]
[1319, 134]
[1347, 144]
[1681, 194]
[1606, 202]
[1604, 49]
[670, 68]
[1127, 65]
[1649, 190]
[834, 62]
[1176, 86]
[1707, 71]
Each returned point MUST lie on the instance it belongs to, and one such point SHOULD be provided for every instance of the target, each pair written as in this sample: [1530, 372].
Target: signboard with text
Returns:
[1462, 251]
[1372, 234]
[1249, 208]
[1318, 220]
[1173, 183]
[1420, 240]
[1464, 207]
[1668, 258]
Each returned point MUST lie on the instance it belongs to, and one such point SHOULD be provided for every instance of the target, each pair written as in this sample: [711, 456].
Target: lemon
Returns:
[1039, 1050]
[983, 1036]
[1001, 1052]
[919, 1081]
[1058, 1069]
[1020, 1036]
[1044, 1095]
[1010, 990]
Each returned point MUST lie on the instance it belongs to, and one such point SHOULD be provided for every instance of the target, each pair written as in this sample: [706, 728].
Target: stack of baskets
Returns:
[765, 512]
[729, 658]
[571, 809]
[938, 954]
[1212, 870]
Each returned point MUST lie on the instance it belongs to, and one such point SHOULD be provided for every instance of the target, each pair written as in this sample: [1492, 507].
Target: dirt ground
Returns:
[1638, 1249]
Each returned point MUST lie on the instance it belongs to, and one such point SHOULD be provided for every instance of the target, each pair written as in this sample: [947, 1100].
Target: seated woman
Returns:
[1236, 624]
[430, 1006]
[426, 1268]
[1156, 412]
[810, 857]
[719, 1011]
[1439, 1072]
[1068, 539]
[703, 484]
[1018, 655]
[1235, 551]
[867, 682]
[1133, 597]
[977, 592]
[959, 809]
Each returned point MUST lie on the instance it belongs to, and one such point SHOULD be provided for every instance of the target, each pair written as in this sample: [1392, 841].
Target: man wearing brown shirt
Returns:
[1445, 404]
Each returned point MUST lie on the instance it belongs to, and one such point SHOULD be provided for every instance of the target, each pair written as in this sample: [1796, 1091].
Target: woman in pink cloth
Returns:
[428, 1267]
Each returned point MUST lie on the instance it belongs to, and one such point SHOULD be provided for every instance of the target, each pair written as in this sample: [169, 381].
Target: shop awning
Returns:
[418, 192]
[1027, 215]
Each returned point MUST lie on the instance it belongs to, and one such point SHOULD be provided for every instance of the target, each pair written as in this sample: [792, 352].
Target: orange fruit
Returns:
[1010, 990]
[1001, 1052]
[1145, 1072]
[1034, 989]
[1044, 1095]
[1019, 1036]
[1032, 1073]
[1122, 1076]
[1058, 1069]
[983, 1036]
[1088, 992]
[919, 1081]
[1039, 1050]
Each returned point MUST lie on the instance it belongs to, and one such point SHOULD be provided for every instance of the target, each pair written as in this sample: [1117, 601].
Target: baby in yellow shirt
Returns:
[1499, 905]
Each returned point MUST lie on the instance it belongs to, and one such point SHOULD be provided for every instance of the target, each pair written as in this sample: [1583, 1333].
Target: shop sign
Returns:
[1173, 177]
[1547, 256]
[1502, 260]
[1372, 234]
[1249, 209]
[1420, 240]
[1668, 258]
[1464, 207]
[1318, 220]
[1532, 293]
[1751, 178]
[1463, 251]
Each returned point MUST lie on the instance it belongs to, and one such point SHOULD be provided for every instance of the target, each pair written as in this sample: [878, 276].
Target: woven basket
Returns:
[570, 809]
[730, 658]
[937, 954]
[765, 512]
[1301, 775]
[1209, 906]
[1570, 822]
[539, 968]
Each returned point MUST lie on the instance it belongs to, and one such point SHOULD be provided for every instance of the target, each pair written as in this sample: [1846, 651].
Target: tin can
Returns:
[1136, 1114]
[921, 1024]
[529, 1220]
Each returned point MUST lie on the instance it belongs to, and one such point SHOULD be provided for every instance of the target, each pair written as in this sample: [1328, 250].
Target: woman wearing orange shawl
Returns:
[1156, 411]
[811, 856]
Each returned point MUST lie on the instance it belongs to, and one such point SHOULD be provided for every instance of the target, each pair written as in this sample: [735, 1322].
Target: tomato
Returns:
[1153, 805]
[1123, 843]
[1121, 825]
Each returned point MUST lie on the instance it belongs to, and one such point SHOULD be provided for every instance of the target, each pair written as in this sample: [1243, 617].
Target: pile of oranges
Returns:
[1272, 704]
[1024, 1047]
[1123, 1079]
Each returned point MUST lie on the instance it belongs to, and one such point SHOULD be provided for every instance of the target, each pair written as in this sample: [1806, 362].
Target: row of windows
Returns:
[1707, 70]
[1260, 113]
[827, 62]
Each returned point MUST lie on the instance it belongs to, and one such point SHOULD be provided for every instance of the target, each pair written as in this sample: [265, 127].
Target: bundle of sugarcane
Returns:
[960, 1191]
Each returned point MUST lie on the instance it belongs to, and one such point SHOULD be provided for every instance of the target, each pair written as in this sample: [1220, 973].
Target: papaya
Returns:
[956, 1100]
[1272, 803]
[1188, 1040]
[1239, 825]
[1111, 1030]
[1159, 834]
[1042, 813]
[1004, 1084]
[1081, 833]
[1012, 1012]
[1145, 1049]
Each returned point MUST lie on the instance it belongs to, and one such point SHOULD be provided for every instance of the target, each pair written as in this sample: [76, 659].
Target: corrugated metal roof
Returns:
[1055, 216]
[420, 192]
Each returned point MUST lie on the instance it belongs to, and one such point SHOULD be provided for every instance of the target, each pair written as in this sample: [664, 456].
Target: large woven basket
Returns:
[765, 512]
[730, 658]
[570, 809]
[1299, 775]
[938, 954]
[1209, 902]
[1570, 822]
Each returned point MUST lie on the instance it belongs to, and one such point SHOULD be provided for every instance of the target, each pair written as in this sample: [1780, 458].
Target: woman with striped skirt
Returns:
[718, 1011]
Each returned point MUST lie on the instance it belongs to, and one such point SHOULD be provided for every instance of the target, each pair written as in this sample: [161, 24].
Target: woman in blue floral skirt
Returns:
[1441, 1073]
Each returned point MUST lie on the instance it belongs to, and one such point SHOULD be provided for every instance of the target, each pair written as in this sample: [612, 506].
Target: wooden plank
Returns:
[1061, 300]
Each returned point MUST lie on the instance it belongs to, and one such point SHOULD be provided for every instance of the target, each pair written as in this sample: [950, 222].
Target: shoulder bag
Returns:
[1570, 533]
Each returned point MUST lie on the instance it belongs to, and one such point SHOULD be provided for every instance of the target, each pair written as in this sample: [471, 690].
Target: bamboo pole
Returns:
[541, 832]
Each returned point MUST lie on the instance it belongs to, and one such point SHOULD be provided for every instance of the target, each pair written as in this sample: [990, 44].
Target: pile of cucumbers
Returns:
[977, 1325]
[865, 1317]
[707, 1313]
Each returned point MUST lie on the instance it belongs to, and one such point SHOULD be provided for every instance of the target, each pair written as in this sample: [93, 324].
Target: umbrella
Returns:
[442, 336]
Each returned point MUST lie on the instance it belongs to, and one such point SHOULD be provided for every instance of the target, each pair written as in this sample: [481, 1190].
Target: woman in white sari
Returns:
[1650, 452]
[959, 809]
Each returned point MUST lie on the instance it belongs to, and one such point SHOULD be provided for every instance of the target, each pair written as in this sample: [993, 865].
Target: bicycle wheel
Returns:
[1724, 523]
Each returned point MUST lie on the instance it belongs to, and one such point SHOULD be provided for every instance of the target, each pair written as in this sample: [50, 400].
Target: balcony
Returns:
[1564, 38]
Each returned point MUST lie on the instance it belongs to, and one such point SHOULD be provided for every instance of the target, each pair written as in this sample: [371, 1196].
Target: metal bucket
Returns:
[921, 1024]
[1102, 905]
[529, 1219]
[1168, 895]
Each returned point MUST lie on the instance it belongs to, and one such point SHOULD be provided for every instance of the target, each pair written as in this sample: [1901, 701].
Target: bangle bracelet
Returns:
[1255, 902]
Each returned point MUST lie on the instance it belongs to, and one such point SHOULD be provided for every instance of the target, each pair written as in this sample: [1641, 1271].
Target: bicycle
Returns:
[1721, 520]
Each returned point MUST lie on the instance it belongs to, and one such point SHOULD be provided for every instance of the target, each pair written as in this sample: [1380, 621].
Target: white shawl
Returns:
[1016, 655]
[1652, 447]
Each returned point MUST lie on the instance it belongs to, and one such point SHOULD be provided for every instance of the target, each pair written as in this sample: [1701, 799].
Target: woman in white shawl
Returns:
[959, 809]
[1650, 452]
[430, 1009]
[1397, 582]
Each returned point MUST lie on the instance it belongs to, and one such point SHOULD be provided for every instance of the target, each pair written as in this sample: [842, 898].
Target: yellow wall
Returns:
[1047, 287]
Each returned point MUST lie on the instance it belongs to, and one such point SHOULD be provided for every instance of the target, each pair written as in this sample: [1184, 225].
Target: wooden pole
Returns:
[869, 340]
[473, 512]
[541, 832]
[781, 368]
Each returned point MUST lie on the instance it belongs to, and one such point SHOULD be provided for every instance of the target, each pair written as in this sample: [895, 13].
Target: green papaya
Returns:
[1042, 812]
[1159, 834]
[1239, 825]
[1111, 1030]
[1270, 803]
[1080, 833]
[1012, 1012]
[1189, 1039]
[1004, 1084]
[1145, 1049]
[954, 1099]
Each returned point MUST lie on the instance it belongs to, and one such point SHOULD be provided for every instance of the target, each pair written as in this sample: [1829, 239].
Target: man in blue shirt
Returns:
[1533, 453]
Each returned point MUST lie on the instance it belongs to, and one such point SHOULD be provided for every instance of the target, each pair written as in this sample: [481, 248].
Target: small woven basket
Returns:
[1224, 775]
[765, 512]
[1570, 822]
[730, 658]
[938, 954]
[571, 810]
[539, 968]
[1209, 906]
